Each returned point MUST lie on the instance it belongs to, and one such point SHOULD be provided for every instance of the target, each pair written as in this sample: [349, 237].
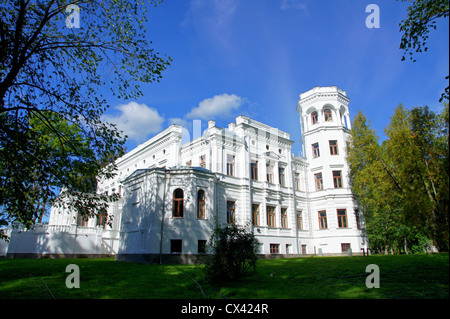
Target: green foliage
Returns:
[422, 16]
[52, 82]
[233, 252]
[403, 185]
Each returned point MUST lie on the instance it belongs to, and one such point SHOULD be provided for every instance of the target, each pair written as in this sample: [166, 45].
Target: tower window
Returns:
[342, 218]
[319, 181]
[315, 150]
[314, 117]
[333, 148]
[203, 161]
[327, 115]
[337, 179]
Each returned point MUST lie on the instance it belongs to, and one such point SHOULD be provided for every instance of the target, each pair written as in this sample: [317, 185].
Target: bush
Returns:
[233, 252]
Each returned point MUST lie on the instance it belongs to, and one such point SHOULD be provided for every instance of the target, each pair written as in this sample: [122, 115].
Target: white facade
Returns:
[245, 173]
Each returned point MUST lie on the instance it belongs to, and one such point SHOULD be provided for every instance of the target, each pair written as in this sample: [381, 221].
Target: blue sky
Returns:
[254, 57]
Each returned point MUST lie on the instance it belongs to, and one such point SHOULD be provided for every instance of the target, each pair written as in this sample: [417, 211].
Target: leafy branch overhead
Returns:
[54, 74]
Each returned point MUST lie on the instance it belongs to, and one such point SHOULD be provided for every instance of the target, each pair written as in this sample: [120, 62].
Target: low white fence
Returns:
[59, 241]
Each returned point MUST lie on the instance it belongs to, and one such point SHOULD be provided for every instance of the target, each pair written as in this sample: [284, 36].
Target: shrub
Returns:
[233, 252]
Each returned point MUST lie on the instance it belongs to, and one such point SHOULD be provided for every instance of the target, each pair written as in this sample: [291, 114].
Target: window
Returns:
[342, 218]
[201, 204]
[203, 161]
[297, 181]
[271, 216]
[102, 219]
[254, 171]
[327, 115]
[255, 215]
[281, 176]
[299, 220]
[231, 217]
[178, 201]
[333, 148]
[82, 220]
[284, 223]
[345, 247]
[201, 247]
[269, 171]
[274, 248]
[337, 179]
[175, 246]
[314, 117]
[230, 165]
[318, 180]
[288, 248]
[315, 150]
[323, 220]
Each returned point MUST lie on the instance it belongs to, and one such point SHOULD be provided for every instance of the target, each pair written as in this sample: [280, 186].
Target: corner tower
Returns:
[325, 129]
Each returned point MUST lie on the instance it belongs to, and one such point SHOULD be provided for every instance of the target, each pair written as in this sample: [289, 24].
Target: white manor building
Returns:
[173, 194]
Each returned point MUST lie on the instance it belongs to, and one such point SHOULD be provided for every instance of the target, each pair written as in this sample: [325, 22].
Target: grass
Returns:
[404, 276]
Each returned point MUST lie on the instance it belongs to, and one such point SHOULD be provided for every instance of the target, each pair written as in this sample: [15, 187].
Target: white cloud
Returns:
[212, 20]
[137, 121]
[293, 4]
[218, 105]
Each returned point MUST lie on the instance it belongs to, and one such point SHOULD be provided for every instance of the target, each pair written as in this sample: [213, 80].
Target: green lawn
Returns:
[405, 276]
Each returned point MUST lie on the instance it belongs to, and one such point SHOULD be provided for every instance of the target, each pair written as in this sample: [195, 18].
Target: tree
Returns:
[50, 69]
[402, 185]
[417, 147]
[233, 252]
[422, 16]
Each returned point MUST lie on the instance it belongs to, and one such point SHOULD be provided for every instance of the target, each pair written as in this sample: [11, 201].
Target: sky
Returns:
[255, 57]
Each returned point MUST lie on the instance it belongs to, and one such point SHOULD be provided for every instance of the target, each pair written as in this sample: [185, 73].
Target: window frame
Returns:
[274, 248]
[256, 217]
[342, 218]
[314, 117]
[201, 204]
[231, 212]
[299, 220]
[318, 181]
[284, 218]
[231, 165]
[337, 179]
[315, 150]
[178, 204]
[328, 115]
[282, 176]
[323, 223]
[333, 148]
[254, 171]
[271, 216]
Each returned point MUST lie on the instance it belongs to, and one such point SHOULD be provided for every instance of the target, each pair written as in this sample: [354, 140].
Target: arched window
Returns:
[178, 200]
[201, 204]
[314, 117]
[327, 115]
